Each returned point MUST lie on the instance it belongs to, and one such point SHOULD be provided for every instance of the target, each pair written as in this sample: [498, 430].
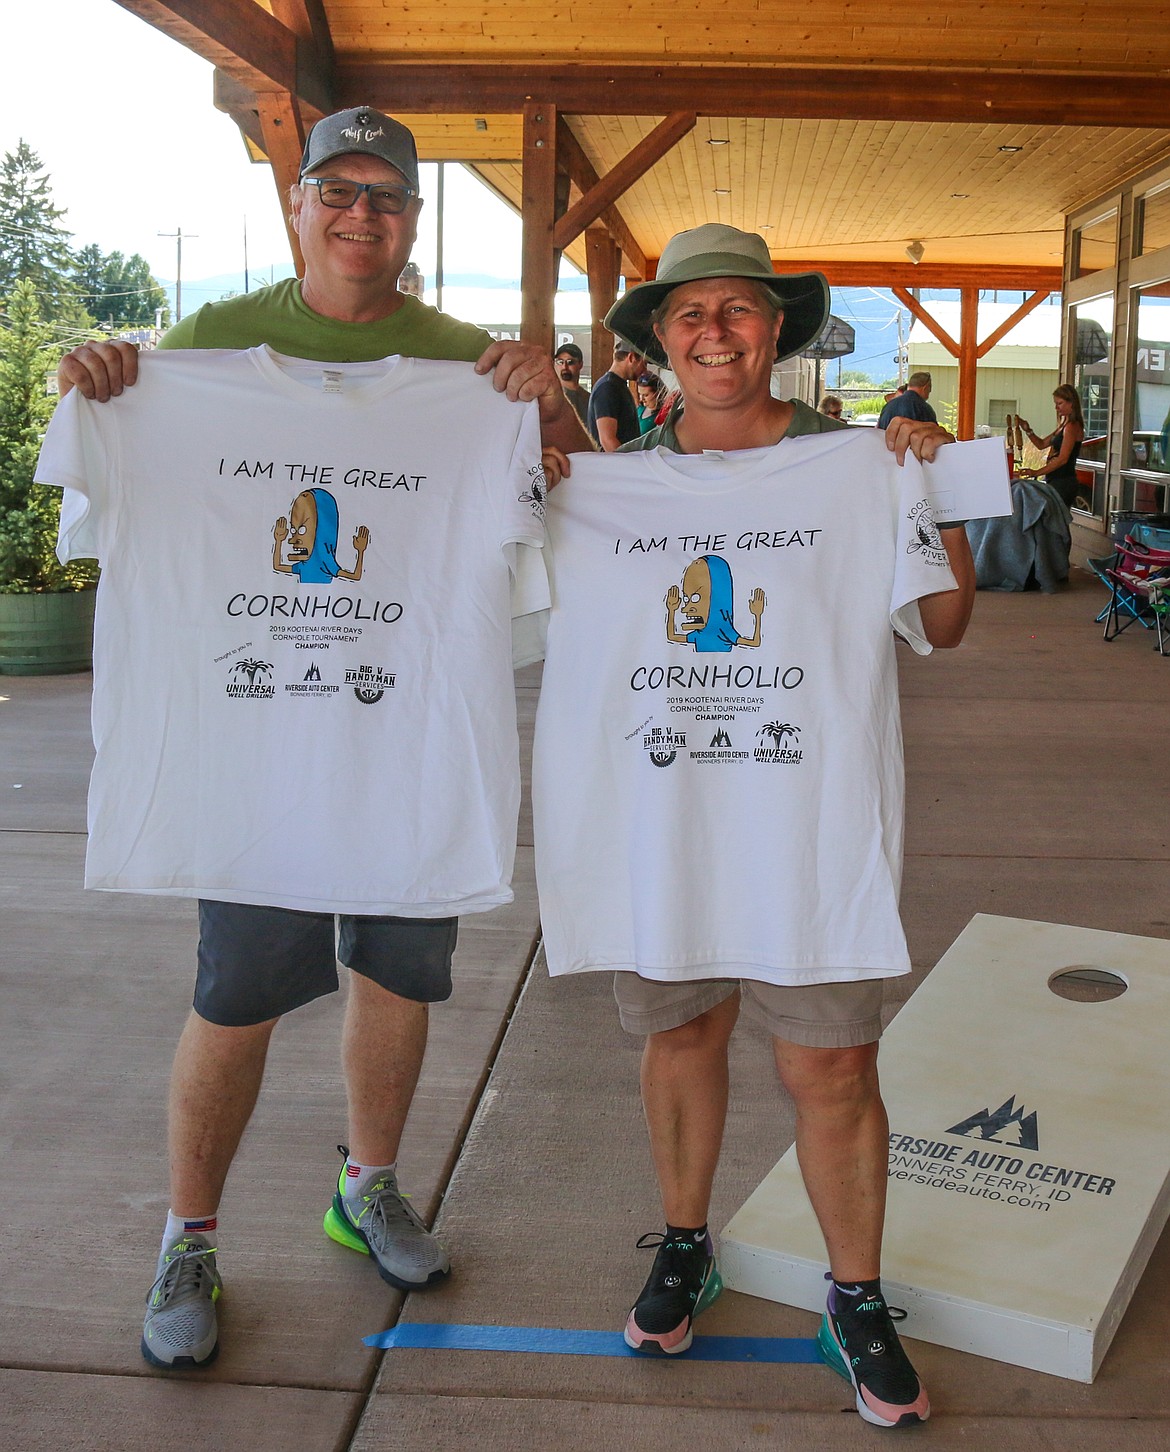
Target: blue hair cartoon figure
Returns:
[311, 531]
[707, 608]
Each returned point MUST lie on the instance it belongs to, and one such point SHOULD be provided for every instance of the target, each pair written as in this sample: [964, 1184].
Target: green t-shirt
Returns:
[805, 420]
[279, 316]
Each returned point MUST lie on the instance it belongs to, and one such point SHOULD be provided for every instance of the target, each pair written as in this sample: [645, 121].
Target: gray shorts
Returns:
[256, 963]
[817, 1015]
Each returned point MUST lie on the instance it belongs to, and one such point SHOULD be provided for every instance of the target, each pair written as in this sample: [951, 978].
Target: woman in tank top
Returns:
[1060, 468]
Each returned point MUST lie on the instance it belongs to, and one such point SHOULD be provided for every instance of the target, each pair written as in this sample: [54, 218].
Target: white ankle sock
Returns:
[359, 1176]
[180, 1225]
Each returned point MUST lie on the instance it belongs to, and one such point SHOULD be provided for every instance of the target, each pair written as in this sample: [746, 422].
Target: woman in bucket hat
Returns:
[720, 318]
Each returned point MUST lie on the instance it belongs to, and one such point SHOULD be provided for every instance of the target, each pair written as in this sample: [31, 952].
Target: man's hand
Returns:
[922, 439]
[525, 372]
[555, 463]
[100, 370]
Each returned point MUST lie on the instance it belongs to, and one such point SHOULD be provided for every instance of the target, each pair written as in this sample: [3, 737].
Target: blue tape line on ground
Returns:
[548, 1340]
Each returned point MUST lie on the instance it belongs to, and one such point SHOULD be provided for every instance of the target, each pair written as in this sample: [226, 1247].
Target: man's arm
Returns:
[607, 433]
[945, 616]
[525, 372]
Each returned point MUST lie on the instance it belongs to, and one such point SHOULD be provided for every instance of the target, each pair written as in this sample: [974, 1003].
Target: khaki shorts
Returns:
[817, 1015]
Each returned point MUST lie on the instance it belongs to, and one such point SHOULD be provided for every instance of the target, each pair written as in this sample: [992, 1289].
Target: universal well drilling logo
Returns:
[779, 744]
[663, 744]
[370, 683]
[249, 680]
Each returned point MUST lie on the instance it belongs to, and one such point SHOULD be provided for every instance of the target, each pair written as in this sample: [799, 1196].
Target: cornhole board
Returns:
[1029, 1173]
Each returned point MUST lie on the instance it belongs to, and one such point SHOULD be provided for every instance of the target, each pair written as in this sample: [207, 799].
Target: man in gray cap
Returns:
[720, 318]
[355, 211]
[613, 414]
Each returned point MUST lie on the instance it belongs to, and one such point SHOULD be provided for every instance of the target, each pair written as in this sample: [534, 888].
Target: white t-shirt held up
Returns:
[717, 776]
[303, 691]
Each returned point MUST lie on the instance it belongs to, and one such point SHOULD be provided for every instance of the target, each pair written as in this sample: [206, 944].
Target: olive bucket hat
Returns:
[716, 250]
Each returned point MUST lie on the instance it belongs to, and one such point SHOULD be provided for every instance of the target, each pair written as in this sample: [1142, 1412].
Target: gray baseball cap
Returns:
[367, 132]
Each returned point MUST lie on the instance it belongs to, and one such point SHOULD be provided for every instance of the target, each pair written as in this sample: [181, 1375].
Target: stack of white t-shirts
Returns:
[707, 806]
[302, 659]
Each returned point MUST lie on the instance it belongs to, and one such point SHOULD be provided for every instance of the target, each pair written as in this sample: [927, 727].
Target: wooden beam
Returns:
[283, 134]
[1009, 323]
[859, 93]
[307, 19]
[602, 267]
[1023, 277]
[244, 40]
[572, 157]
[968, 360]
[926, 320]
[619, 179]
[538, 278]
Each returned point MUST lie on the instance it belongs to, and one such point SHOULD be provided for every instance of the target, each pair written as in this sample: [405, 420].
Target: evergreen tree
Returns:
[34, 247]
[118, 291]
[28, 512]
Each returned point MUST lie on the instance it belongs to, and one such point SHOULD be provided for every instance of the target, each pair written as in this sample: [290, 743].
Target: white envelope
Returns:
[969, 481]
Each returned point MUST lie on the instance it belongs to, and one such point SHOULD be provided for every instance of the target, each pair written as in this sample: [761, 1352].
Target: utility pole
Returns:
[245, 254]
[178, 236]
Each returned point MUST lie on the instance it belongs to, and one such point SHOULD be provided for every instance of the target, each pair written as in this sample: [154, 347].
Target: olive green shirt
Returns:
[280, 317]
[805, 420]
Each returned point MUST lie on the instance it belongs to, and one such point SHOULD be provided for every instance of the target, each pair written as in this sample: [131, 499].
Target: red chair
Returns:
[1139, 580]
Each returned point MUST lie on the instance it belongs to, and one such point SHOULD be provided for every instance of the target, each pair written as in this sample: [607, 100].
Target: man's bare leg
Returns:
[215, 1081]
[382, 1052]
[684, 1095]
[842, 1144]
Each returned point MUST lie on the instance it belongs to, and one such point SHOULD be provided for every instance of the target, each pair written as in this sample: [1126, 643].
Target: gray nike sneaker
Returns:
[180, 1330]
[383, 1224]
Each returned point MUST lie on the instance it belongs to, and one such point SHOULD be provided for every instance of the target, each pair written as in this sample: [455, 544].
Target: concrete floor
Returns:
[1036, 762]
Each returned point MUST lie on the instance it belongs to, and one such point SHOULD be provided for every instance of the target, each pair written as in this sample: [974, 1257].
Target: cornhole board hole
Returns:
[1029, 1173]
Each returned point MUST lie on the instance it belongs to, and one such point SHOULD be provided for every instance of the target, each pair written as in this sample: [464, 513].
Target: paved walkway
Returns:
[1037, 763]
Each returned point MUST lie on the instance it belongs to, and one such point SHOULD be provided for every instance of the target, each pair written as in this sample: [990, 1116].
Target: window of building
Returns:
[1146, 465]
[1152, 222]
[1091, 325]
[1095, 245]
[998, 410]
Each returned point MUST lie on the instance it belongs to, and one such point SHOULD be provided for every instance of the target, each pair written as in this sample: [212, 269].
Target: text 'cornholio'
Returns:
[315, 607]
[707, 678]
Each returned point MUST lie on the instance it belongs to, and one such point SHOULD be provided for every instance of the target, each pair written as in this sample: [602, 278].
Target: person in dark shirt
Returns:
[912, 403]
[613, 415]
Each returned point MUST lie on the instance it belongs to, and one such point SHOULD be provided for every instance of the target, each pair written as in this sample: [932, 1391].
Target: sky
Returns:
[122, 119]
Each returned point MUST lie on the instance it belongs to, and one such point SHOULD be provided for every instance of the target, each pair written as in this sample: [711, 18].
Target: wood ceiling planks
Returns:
[1072, 36]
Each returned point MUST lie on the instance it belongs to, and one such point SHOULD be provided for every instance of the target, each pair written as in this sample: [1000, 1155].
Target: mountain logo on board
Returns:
[1005, 1125]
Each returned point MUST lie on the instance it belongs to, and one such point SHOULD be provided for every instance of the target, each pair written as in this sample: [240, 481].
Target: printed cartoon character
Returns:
[706, 603]
[311, 530]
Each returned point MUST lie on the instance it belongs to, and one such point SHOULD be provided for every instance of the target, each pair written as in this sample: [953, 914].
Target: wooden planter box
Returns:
[46, 634]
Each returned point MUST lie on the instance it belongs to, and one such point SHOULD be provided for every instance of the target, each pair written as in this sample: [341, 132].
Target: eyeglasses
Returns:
[384, 196]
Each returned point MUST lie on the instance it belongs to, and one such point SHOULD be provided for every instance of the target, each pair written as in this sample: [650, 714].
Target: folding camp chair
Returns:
[1139, 582]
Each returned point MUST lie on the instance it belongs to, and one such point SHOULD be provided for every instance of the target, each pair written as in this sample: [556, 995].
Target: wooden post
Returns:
[284, 141]
[601, 262]
[968, 359]
[538, 280]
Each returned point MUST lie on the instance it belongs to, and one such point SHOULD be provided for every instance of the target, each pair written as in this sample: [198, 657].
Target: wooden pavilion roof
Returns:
[843, 130]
